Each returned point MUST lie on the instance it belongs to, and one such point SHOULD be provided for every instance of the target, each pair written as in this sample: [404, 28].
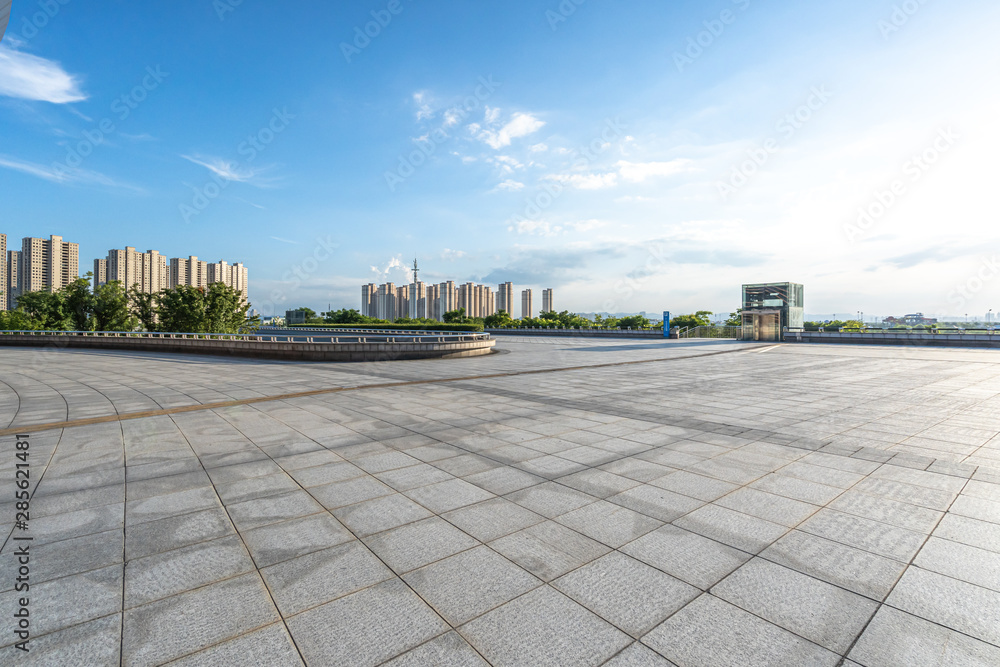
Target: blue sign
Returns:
[666, 324]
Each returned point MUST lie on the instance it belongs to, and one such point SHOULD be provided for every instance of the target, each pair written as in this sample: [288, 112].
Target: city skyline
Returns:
[431, 301]
[838, 146]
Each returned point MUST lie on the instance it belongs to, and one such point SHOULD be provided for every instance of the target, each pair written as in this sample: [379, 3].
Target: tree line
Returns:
[502, 320]
[111, 307]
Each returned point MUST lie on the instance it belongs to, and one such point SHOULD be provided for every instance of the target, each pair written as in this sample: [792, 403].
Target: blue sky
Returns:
[633, 156]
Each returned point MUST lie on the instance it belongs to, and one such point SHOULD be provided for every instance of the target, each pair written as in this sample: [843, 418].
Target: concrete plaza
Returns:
[564, 502]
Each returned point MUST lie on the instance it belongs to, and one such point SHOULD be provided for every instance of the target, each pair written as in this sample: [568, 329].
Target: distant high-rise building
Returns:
[47, 264]
[526, 306]
[505, 298]
[100, 271]
[402, 302]
[368, 293]
[3, 272]
[547, 306]
[190, 271]
[434, 302]
[385, 302]
[418, 300]
[449, 297]
[13, 278]
[232, 275]
[145, 271]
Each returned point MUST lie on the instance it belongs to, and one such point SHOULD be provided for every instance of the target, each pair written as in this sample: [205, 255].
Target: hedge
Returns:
[442, 326]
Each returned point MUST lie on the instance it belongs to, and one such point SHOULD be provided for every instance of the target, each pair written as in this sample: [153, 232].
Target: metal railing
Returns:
[711, 332]
[355, 337]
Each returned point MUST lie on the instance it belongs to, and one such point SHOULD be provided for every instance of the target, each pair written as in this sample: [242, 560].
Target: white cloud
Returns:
[510, 185]
[546, 228]
[451, 117]
[538, 148]
[586, 181]
[230, 171]
[506, 163]
[520, 125]
[30, 77]
[63, 174]
[638, 172]
[424, 110]
[630, 199]
[394, 265]
[450, 255]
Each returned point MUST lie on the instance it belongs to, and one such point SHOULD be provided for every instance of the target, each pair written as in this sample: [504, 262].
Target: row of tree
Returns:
[502, 319]
[110, 307]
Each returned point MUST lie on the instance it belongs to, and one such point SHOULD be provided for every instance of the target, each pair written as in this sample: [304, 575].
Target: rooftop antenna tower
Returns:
[415, 270]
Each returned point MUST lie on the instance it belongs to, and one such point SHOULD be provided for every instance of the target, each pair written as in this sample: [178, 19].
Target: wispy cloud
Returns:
[450, 255]
[29, 77]
[226, 169]
[586, 181]
[63, 174]
[510, 185]
[638, 172]
[278, 238]
[520, 125]
[424, 110]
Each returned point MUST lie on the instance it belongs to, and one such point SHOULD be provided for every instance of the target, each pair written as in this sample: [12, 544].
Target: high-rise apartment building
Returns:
[47, 264]
[385, 302]
[505, 298]
[368, 293]
[402, 302]
[526, 306]
[13, 280]
[3, 272]
[232, 275]
[190, 271]
[145, 271]
[434, 302]
[418, 300]
[547, 306]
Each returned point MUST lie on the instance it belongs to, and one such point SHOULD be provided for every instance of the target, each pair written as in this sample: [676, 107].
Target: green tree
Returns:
[226, 311]
[143, 307]
[181, 309]
[110, 305]
[498, 320]
[633, 322]
[455, 316]
[46, 309]
[78, 303]
[17, 320]
[699, 319]
[735, 319]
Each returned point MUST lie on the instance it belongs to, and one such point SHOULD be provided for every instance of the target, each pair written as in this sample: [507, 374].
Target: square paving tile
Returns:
[468, 584]
[544, 627]
[417, 544]
[374, 516]
[608, 523]
[549, 549]
[492, 519]
[322, 576]
[628, 593]
[820, 612]
[969, 609]
[176, 626]
[712, 632]
[897, 639]
[688, 556]
[366, 628]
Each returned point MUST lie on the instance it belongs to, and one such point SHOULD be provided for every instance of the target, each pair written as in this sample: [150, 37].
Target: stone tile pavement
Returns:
[638, 503]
